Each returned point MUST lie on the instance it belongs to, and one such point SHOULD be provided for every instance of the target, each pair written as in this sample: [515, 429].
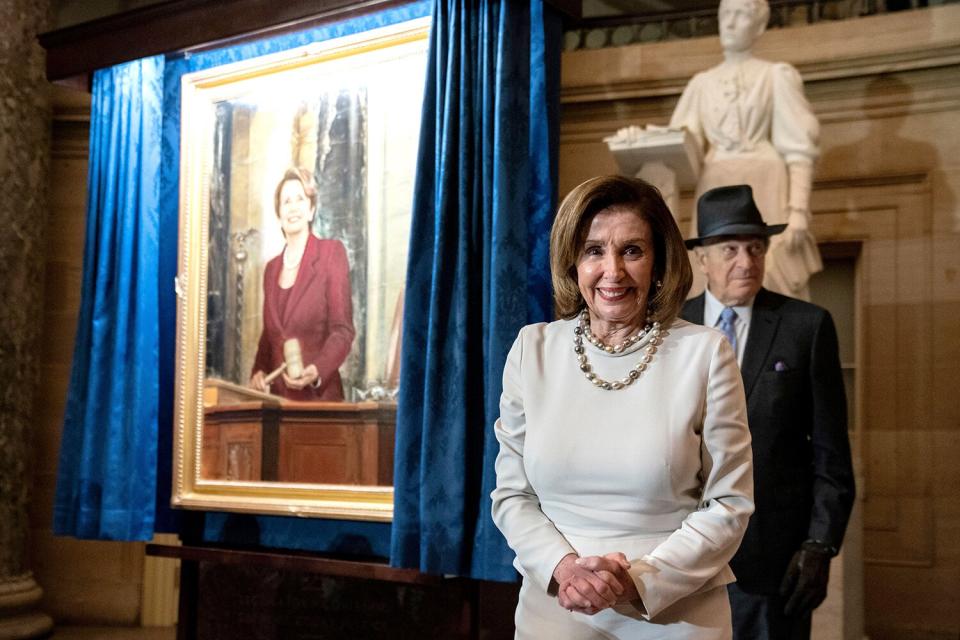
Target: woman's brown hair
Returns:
[576, 212]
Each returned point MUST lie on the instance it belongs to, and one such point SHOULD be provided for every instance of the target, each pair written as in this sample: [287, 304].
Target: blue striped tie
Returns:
[728, 318]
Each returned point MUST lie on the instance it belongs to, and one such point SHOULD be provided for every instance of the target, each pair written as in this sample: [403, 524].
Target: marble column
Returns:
[24, 160]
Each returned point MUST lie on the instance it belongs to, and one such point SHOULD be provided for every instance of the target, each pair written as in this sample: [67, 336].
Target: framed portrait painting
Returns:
[297, 173]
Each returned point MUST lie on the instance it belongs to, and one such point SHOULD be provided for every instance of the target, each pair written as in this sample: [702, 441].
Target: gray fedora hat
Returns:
[730, 211]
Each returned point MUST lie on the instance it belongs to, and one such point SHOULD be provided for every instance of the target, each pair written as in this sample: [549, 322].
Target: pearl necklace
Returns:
[583, 330]
[288, 265]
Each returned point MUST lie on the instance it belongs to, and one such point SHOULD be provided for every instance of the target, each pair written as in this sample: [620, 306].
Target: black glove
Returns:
[805, 582]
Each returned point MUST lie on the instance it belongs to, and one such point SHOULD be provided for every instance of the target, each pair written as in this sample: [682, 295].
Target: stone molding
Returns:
[920, 39]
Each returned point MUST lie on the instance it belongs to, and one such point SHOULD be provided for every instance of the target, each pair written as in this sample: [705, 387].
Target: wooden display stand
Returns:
[248, 435]
[289, 595]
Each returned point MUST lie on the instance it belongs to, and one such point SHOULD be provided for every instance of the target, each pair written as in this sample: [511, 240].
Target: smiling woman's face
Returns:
[294, 212]
[615, 267]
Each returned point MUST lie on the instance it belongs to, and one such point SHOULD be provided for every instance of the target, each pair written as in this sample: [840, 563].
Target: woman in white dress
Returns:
[753, 121]
[624, 478]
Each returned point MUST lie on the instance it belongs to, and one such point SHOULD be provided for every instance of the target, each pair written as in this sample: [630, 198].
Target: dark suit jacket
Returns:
[797, 411]
[319, 313]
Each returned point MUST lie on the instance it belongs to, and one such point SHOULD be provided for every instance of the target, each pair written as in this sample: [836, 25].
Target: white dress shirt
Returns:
[741, 326]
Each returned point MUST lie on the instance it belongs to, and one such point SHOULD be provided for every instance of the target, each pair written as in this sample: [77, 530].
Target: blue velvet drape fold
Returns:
[107, 474]
[478, 270]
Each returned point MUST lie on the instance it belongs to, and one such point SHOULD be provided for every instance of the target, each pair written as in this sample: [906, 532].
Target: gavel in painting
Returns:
[292, 362]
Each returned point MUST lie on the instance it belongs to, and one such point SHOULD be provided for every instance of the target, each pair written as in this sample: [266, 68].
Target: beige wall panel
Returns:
[89, 582]
[880, 471]
[591, 160]
[910, 543]
[59, 332]
[62, 294]
[45, 484]
[914, 458]
[882, 147]
[932, 609]
[947, 204]
[47, 441]
[946, 264]
[883, 511]
[946, 403]
[910, 355]
[947, 509]
[944, 467]
[68, 217]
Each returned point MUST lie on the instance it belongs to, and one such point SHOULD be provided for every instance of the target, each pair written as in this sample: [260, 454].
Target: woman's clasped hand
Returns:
[308, 378]
[591, 584]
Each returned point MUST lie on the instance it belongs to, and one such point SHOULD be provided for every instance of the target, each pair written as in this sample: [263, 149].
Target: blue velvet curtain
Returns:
[107, 475]
[358, 538]
[478, 270]
[115, 458]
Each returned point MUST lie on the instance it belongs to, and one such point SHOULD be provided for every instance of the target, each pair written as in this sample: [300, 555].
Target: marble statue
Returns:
[755, 126]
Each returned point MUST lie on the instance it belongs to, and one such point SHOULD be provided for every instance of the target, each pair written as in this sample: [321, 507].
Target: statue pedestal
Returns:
[669, 159]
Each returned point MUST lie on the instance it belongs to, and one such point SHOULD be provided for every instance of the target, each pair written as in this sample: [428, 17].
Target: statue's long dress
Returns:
[752, 119]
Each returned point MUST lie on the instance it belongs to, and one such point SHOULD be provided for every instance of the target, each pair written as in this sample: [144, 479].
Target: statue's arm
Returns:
[796, 136]
[795, 131]
[799, 185]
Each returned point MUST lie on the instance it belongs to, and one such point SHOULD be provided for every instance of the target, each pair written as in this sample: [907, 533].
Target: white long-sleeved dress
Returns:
[660, 471]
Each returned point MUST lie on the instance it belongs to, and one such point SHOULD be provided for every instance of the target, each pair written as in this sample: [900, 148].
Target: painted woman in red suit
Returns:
[306, 296]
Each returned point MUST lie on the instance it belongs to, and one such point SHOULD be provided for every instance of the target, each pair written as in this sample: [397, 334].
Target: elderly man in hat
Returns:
[789, 360]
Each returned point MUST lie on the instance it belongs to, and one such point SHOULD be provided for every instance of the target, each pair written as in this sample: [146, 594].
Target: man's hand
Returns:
[806, 580]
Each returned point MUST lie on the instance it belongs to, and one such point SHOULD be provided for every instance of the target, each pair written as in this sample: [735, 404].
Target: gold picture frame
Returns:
[323, 65]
